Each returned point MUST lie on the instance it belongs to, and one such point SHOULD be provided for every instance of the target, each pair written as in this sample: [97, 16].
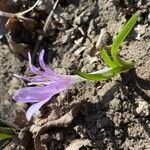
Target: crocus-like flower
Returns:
[43, 85]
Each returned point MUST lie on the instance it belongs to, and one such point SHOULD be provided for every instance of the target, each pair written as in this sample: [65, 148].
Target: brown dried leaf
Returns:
[93, 50]
[19, 48]
[19, 37]
[3, 4]
[63, 121]
[6, 6]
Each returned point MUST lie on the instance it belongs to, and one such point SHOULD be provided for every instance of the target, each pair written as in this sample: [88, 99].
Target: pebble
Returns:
[143, 109]
[140, 30]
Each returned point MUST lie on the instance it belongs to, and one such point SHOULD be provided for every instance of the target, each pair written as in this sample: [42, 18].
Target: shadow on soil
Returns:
[131, 87]
[136, 86]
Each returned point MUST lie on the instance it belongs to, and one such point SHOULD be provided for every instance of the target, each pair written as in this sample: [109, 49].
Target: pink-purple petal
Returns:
[39, 78]
[34, 108]
[47, 84]
[35, 80]
[37, 94]
[33, 94]
[33, 68]
[42, 64]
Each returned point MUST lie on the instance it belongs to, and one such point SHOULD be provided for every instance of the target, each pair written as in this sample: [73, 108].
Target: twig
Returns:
[6, 14]
[49, 17]
[19, 14]
[40, 37]
[28, 10]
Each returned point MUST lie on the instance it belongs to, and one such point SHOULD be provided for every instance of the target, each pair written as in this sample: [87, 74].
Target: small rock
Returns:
[44, 138]
[34, 128]
[58, 136]
[115, 104]
[139, 3]
[140, 30]
[80, 50]
[117, 132]
[143, 109]
[103, 39]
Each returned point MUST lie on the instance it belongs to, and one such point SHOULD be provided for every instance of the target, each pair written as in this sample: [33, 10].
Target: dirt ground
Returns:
[113, 115]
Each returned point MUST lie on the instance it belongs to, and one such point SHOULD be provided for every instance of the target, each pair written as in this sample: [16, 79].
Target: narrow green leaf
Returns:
[5, 133]
[6, 130]
[101, 76]
[111, 72]
[121, 37]
[96, 77]
[5, 136]
[107, 59]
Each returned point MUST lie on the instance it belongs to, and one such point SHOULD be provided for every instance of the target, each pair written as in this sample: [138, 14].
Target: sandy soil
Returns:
[114, 115]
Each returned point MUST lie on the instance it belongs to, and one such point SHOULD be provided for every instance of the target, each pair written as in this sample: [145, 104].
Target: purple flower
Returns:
[45, 83]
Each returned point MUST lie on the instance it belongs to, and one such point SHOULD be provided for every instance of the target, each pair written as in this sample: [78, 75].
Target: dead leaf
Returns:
[93, 50]
[3, 4]
[20, 32]
[63, 121]
[21, 49]
[6, 6]
[19, 37]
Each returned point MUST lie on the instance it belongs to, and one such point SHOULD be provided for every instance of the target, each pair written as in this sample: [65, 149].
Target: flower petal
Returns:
[35, 80]
[34, 108]
[37, 94]
[33, 68]
[54, 88]
[42, 64]
[33, 94]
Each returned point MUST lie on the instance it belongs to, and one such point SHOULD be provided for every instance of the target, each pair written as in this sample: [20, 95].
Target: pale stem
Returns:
[28, 10]
[20, 14]
[49, 17]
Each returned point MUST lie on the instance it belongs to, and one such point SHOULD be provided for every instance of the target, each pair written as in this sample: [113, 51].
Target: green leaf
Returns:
[96, 77]
[5, 133]
[110, 72]
[5, 136]
[121, 37]
[107, 59]
[101, 76]
[116, 65]
[6, 130]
